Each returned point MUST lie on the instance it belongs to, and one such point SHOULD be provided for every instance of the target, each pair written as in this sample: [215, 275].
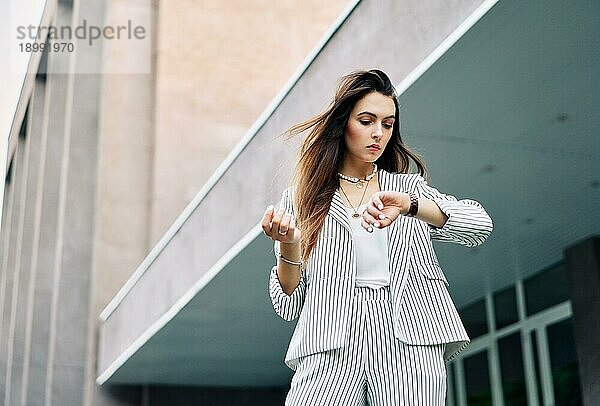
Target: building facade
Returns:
[134, 270]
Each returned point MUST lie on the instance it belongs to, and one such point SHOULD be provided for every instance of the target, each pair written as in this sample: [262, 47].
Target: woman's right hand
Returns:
[280, 226]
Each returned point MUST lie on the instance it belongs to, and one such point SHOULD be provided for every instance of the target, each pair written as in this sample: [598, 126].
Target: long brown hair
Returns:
[322, 151]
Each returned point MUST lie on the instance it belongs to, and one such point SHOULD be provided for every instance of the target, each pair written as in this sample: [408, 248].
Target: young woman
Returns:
[355, 259]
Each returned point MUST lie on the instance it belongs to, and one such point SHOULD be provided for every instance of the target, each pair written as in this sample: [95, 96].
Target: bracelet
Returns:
[414, 205]
[284, 259]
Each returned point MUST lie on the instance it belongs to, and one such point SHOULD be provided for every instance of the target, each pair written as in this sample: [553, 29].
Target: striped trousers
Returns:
[372, 368]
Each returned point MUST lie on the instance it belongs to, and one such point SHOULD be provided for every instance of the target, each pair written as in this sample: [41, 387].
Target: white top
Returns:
[371, 252]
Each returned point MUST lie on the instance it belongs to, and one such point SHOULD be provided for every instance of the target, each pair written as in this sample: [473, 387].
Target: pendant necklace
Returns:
[356, 214]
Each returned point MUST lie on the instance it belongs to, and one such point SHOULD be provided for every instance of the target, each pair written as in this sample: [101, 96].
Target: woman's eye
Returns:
[368, 122]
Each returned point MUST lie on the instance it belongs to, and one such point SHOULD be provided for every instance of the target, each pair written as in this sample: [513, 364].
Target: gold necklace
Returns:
[356, 214]
[358, 182]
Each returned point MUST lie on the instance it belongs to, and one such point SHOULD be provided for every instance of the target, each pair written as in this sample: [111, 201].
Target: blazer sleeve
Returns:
[288, 307]
[468, 223]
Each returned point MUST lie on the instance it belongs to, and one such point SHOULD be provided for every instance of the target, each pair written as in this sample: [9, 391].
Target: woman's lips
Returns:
[373, 149]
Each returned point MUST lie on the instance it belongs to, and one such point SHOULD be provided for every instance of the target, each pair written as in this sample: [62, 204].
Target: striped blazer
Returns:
[423, 311]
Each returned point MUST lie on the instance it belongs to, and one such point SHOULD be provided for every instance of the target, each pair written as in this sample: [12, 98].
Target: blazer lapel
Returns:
[337, 210]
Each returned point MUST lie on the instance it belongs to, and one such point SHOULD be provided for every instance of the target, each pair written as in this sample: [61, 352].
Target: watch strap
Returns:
[414, 205]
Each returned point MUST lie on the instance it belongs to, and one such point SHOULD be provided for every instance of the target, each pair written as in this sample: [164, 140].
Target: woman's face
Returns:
[370, 122]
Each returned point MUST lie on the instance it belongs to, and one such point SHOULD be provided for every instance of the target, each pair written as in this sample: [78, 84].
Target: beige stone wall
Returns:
[220, 63]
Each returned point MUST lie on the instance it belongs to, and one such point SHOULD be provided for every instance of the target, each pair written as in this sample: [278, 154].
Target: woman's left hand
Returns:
[383, 208]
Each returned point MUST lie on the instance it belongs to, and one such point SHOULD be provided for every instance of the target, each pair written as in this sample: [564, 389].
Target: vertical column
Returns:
[24, 326]
[19, 312]
[68, 339]
[583, 267]
[47, 263]
[127, 123]
[6, 239]
[4, 247]
[11, 266]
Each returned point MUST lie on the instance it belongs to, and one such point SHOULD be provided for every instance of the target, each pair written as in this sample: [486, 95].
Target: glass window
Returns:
[474, 319]
[563, 361]
[505, 307]
[511, 370]
[477, 379]
[546, 289]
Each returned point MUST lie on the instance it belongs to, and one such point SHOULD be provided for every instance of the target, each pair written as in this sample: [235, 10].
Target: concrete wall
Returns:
[48, 241]
[124, 193]
[93, 180]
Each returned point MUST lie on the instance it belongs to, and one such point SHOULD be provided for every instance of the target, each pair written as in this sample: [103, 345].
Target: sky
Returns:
[13, 66]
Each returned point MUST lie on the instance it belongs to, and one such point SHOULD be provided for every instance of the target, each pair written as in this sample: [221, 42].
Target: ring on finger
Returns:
[284, 233]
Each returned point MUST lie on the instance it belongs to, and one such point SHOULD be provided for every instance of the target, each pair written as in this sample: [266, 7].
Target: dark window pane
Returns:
[477, 380]
[536, 365]
[505, 307]
[511, 370]
[546, 289]
[563, 361]
[474, 319]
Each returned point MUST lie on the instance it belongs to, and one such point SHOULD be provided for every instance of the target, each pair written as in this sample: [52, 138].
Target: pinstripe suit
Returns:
[423, 312]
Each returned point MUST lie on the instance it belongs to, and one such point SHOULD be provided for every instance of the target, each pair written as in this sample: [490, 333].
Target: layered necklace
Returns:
[356, 214]
[359, 184]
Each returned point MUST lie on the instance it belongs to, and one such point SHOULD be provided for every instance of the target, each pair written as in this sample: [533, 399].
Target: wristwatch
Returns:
[414, 205]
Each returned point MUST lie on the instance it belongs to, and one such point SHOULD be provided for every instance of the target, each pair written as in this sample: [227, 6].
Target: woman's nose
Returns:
[378, 131]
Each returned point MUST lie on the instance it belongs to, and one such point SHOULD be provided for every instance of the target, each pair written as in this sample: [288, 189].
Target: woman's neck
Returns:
[357, 170]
